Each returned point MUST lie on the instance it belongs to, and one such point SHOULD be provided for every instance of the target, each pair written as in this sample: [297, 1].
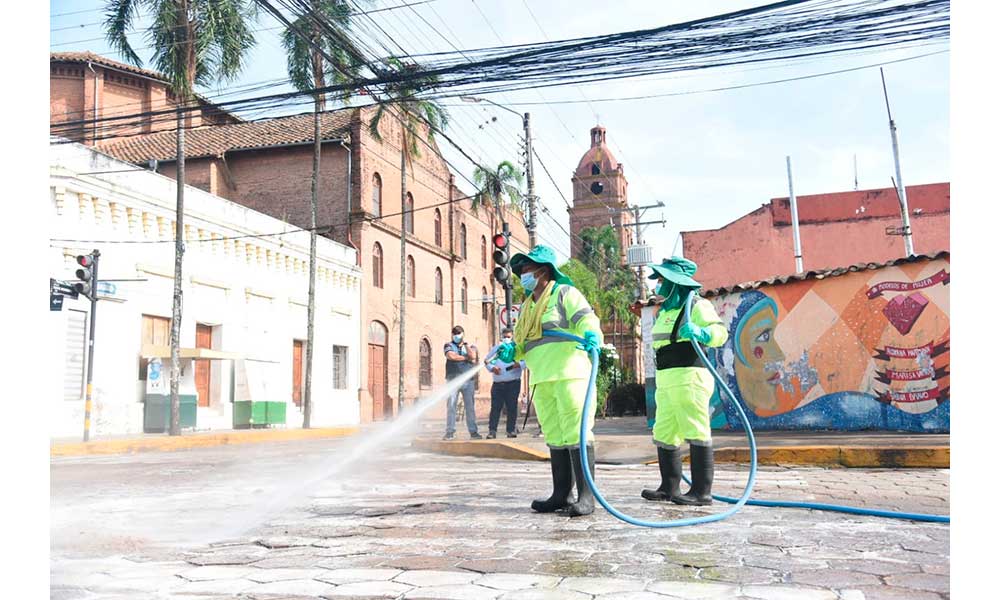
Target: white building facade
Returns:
[245, 304]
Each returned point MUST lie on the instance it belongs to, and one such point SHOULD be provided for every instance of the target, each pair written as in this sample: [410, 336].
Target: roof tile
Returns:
[215, 140]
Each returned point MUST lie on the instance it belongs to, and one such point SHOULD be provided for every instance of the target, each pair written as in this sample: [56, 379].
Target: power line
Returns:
[739, 87]
[755, 36]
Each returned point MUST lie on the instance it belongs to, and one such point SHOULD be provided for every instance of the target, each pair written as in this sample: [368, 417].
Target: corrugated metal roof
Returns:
[821, 274]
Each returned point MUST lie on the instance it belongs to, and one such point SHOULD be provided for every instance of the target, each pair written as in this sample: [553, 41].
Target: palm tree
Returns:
[316, 57]
[498, 187]
[414, 115]
[194, 42]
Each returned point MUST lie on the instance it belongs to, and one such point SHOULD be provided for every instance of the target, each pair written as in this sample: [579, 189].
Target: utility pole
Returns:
[797, 244]
[529, 169]
[900, 188]
[639, 255]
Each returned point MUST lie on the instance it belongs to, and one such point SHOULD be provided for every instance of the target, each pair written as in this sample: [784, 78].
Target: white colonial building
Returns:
[243, 329]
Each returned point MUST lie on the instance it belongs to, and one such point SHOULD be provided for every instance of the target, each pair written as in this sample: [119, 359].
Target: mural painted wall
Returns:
[863, 350]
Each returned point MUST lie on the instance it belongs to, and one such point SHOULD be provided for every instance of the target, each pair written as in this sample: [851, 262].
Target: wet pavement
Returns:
[405, 524]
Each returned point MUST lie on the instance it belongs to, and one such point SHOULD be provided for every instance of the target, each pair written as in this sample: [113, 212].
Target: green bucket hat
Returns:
[540, 255]
[676, 269]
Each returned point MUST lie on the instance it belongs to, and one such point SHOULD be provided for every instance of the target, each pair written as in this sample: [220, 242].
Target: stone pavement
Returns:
[406, 524]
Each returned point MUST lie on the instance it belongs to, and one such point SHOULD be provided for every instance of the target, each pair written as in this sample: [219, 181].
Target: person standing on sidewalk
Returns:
[560, 372]
[683, 385]
[506, 388]
[460, 357]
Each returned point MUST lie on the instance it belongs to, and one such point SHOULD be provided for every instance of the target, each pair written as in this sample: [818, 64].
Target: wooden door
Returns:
[203, 368]
[297, 349]
[378, 381]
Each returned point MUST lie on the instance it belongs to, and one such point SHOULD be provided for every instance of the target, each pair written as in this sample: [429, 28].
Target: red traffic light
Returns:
[85, 260]
[500, 240]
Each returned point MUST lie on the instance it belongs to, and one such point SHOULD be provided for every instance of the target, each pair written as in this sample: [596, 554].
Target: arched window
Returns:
[408, 213]
[438, 287]
[411, 285]
[377, 334]
[437, 227]
[377, 195]
[486, 306]
[482, 248]
[425, 364]
[377, 265]
[462, 249]
[595, 169]
[465, 297]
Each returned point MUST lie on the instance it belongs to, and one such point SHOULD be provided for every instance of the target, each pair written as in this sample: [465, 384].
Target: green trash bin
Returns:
[156, 412]
[276, 413]
[247, 413]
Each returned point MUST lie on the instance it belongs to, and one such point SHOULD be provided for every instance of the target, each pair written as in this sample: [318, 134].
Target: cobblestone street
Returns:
[407, 524]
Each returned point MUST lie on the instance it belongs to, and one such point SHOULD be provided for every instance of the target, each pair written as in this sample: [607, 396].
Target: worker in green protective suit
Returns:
[560, 372]
[683, 385]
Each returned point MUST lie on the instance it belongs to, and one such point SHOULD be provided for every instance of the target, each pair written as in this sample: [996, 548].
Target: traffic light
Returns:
[87, 275]
[501, 258]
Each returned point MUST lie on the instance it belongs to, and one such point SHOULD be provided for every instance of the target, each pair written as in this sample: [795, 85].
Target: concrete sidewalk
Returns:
[626, 440]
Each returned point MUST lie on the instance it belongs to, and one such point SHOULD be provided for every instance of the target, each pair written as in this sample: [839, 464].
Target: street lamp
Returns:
[528, 164]
[477, 100]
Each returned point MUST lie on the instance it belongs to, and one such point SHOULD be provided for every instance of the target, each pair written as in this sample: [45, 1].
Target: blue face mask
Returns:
[457, 339]
[528, 282]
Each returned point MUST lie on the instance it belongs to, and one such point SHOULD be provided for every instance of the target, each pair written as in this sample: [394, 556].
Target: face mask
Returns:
[529, 282]
[457, 338]
[508, 339]
[666, 289]
[671, 293]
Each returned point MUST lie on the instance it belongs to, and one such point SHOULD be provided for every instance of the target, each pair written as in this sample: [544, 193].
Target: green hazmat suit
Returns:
[559, 370]
[683, 393]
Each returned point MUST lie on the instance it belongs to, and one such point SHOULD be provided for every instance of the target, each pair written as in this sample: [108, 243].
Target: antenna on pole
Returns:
[900, 188]
[855, 172]
[796, 243]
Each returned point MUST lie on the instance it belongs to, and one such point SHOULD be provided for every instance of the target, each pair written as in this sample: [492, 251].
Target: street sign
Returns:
[55, 301]
[106, 289]
[505, 319]
[63, 288]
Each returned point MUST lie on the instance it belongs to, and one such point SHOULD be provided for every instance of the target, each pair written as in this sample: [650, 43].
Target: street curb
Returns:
[927, 457]
[483, 449]
[195, 440]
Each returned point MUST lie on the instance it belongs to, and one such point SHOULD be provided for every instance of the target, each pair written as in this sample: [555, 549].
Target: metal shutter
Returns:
[76, 354]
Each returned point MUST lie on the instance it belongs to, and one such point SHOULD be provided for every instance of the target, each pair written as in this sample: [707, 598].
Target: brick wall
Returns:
[66, 97]
[755, 247]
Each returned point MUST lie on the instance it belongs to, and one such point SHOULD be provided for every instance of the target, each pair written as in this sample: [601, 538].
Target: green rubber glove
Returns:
[694, 332]
[590, 342]
[506, 351]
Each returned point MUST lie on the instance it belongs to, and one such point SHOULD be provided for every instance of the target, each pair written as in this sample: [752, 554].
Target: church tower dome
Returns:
[599, 184]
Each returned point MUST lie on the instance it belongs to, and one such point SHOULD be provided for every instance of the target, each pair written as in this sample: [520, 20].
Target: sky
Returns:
[708, 157]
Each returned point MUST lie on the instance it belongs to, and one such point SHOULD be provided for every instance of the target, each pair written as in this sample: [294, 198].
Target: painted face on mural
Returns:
[759, 359]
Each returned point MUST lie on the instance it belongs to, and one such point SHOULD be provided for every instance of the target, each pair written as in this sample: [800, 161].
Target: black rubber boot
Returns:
[702, 473]
[562, 483]
[670, 476]
[584, 504]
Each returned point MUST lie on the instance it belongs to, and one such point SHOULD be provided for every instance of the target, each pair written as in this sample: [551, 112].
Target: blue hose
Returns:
[751, 479]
